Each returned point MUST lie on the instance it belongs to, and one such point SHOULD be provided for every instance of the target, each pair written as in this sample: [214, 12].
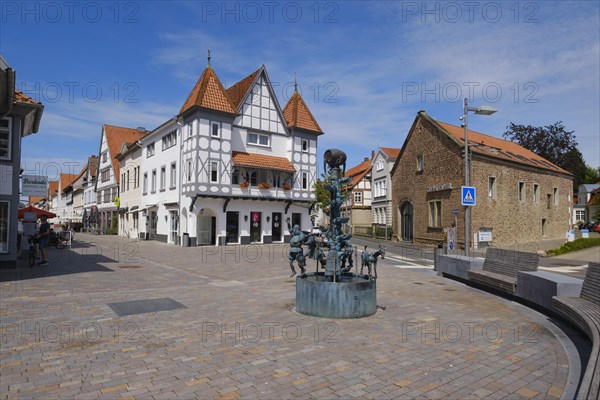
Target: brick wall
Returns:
[511, 220]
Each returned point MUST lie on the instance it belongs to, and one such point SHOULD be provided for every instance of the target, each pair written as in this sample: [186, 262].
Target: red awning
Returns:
[38, 211]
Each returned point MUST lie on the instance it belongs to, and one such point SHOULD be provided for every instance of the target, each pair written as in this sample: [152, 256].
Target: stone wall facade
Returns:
[510, 219]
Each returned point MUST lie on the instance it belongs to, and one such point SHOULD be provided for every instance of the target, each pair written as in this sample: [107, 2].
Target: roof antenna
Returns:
[208, 57]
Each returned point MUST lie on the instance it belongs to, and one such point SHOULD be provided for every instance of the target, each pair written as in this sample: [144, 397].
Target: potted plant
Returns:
[244, 184]
[264, 185]
[286, 186]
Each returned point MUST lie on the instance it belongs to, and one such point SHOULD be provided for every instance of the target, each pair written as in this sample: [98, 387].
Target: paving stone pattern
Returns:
[239, 336]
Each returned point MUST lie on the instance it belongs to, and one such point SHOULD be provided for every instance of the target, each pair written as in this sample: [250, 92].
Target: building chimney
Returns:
[372, 154]
[366, 159]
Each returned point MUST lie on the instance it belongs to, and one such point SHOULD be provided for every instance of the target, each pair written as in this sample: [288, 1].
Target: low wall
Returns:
[457, 266]
[539, 287]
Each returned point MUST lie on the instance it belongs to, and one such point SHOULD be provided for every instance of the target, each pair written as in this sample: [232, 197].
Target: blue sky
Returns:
[364, 68]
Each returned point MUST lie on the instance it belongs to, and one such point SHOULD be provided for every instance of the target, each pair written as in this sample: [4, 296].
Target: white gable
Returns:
[259, 110]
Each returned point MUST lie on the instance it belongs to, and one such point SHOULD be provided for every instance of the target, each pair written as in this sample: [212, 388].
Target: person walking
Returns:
[44, 237]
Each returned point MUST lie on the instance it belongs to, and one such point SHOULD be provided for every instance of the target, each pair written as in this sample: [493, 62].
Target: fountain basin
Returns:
[352, 296]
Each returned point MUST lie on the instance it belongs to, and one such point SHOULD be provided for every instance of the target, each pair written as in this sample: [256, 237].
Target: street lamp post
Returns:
[483, 110]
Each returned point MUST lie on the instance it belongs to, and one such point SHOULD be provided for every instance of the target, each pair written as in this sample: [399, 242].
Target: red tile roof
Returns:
[358, 172]
[66, 180]
[298, 115]
[209, 93]
[20, 97]
[391, 152]
[498, 148]
[116, 136]
[35, 199]
[237, 92]
[262, 161]
[52, 188]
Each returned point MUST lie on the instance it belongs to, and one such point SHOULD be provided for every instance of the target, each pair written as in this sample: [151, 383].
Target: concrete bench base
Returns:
[540, 286]
[458, 266]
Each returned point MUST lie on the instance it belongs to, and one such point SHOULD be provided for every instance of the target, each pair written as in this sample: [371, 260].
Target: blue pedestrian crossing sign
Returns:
[468, 195]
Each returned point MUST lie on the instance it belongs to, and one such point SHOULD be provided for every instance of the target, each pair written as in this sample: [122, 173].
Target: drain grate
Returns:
[129, 266]
[144, 306]
[418, 283]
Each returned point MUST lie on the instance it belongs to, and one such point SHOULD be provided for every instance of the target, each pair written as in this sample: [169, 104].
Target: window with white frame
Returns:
[555, 196]
[304, 180]
[435, 213]
[163, 177]
[215, 129]
[127, 180]
[357, 197]
[521, 190]
[145, 185]
[122, 181]
[173, 176]
[105, 175]
[580, 215]
[189, 170]
[305, 145]
[380, 188]
[104, 156]
[5, 139]
[492, 187]
[258, 139]
[380, 164]
[169, 140]
[150, 150]
[536, 192]
[153, 181]
[214, 171]
[4, 225]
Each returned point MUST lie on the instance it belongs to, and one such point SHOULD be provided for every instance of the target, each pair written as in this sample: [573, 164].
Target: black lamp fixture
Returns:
[246, 218]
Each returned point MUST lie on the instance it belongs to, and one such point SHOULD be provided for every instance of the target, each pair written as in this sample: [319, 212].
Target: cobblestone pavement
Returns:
[239, 336]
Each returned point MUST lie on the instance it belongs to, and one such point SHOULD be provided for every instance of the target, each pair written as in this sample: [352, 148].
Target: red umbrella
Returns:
[38, 211]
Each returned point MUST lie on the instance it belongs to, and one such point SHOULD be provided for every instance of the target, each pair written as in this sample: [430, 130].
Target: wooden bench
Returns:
[584, 312]
[500, 268]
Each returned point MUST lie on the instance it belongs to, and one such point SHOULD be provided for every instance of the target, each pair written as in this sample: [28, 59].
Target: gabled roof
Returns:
[238, 92]
[209, 93]
[116, 136]
[262, 161]
[52, 187]
[486, 145]
[35, 199]
[67, 180]
[391, 152]
[358, 172]
[297, 114]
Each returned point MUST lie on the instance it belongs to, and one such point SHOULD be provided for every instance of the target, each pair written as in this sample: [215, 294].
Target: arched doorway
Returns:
[406, 221]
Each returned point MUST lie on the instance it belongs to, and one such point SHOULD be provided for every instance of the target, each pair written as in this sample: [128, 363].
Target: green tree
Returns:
[592, 175]
[323, 197]
[553, 142]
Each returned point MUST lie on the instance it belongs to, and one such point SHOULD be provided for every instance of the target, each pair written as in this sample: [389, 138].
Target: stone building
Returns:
[520, 196]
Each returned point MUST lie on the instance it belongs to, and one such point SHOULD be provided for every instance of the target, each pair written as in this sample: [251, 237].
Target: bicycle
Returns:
[33, 246]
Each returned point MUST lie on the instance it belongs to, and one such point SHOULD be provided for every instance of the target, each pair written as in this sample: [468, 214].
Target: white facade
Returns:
[215, 206]
[160, 173]
[90, 210]
[106, 184]
[381, 183]
[130, 165]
